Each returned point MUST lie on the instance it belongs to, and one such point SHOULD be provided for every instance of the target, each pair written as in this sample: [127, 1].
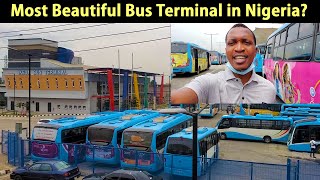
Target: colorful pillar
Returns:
[145, 90]
[136, 89]
[154, 92]
[125, 91]
[161, 90]
[110, 86]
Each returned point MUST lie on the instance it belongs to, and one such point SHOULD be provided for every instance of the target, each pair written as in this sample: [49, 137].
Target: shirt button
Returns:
[237, 80]
[242, 97]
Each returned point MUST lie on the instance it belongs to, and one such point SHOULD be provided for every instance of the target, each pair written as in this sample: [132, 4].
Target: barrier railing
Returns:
[90, 159]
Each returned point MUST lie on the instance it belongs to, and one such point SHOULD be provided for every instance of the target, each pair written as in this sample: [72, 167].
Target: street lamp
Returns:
[211, 37]
[29, 103]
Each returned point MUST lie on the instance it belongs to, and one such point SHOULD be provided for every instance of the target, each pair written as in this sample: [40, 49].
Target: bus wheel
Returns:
[255, 113]
[267, 139]
[17, 177]
[198, 71]
[223, 136]
[318, 149]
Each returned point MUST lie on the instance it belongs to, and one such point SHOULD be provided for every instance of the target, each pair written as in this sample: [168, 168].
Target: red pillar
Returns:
[111, 92]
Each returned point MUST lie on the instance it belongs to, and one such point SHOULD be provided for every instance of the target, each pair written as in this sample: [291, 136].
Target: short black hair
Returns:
[242, 26]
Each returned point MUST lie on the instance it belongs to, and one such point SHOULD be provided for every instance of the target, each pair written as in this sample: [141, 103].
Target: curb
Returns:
[42, 115]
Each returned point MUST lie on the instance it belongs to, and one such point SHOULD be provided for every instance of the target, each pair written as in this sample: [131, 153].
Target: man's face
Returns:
[240, 48]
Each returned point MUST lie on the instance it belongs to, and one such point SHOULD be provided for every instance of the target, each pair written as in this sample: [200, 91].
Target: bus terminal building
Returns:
[59, 85]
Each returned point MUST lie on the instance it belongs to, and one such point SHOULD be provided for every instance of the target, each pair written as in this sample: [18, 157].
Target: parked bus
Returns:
[144, 143]
[215, 58]
[300, 113]
[258, 60]
[265, 128]
[301, 134]
[178, 151]
[54, 139]
[104, 138]
[311, 106]
[210, 111]
[293, 54]
[254, 109]
[188, 58]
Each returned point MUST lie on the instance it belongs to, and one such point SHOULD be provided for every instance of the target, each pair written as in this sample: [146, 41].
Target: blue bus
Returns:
[311, 106]
[178, 151]
[215, 58]
[258, 60]
[301, 134]
[54, 140]
[299, 113]
[144, 143]
[189, 58]
[210, 111]
[104, 139]
[265, 127]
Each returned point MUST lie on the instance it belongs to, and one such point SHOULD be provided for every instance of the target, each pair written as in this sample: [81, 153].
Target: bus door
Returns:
[203, 155]
[208, 60]
[195, 56]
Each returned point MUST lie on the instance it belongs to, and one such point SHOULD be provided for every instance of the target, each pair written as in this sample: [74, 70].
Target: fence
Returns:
[19, 152]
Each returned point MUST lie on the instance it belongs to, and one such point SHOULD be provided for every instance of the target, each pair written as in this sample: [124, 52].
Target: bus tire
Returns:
[267, 139]
[198, 71]
[318, 149]
[255, 113]
[223, 136]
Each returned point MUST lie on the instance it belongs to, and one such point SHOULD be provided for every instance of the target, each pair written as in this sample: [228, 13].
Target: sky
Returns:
[196, 33]
[151, 56]
[145, 54]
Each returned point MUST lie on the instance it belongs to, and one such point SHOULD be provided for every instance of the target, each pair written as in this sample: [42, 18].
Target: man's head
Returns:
[240, 46]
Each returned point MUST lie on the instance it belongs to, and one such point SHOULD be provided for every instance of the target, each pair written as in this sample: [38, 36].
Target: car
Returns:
[49, 169]
[44, 121]
[122, 174]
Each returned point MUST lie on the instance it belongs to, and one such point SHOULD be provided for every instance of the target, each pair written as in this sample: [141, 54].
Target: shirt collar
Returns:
[229, 75]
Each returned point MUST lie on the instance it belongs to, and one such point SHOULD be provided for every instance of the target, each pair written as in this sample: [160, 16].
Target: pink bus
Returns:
[292, 62]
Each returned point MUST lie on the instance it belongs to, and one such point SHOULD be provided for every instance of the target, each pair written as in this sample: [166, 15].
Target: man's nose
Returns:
[239, 47]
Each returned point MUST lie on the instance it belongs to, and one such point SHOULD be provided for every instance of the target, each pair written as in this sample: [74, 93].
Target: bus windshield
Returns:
[180, 146]
[137, 140]
[44, 133]
[178, 48]
[100, 135]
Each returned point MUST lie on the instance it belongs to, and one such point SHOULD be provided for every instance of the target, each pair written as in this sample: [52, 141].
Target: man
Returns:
[238, 83]
[313, 147]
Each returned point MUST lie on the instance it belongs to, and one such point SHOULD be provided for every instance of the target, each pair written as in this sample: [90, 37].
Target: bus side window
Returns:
[301, 135]
[119, 137]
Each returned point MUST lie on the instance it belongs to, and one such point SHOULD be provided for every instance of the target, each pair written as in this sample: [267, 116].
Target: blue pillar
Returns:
[288, 168]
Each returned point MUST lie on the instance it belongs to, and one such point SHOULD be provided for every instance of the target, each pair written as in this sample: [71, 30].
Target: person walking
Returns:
[313, 147]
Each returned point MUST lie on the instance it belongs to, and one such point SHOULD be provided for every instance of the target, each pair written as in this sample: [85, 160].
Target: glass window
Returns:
[293, 32]
[283, 37]
[278, 53]
[265, 124]
[180, 146]
[35, 167]
[299, 50]
[315, 132]
[61, 165]
[317, 53]
[242, 123]
[306, 29]
[99, 135]
[276, 44]
[253, 123]
[45, 167]
[178, 48]
[301, 134]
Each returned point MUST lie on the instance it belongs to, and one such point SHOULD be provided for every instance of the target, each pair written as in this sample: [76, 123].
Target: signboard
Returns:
[45, 134]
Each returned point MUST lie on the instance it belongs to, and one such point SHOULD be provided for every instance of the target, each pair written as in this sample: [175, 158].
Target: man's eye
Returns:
[230, 43]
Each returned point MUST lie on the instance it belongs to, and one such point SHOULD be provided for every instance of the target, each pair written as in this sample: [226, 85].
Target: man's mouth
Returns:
[240, 59]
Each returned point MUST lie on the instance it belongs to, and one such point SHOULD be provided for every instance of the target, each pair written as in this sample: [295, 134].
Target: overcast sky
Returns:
[196, 33]
[153, 53]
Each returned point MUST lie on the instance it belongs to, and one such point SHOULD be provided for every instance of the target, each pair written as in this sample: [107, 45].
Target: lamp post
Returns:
[29, 99]
[14, 94]
[211, 37]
